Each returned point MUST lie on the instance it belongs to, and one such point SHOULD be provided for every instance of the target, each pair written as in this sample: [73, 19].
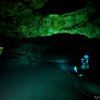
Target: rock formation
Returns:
[25, 19]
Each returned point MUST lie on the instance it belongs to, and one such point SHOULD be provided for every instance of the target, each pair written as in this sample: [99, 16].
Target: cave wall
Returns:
[34, 18]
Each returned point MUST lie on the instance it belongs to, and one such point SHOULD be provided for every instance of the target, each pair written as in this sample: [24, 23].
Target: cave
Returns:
[42, 57]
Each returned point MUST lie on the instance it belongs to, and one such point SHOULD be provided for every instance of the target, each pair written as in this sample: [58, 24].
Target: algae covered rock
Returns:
[26, 19]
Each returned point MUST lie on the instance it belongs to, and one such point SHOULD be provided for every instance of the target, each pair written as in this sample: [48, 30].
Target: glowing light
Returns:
[86, 56]
[75, 68]
[81, 75]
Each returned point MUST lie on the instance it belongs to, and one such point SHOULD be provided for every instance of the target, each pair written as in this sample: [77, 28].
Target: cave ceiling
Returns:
[36, 18]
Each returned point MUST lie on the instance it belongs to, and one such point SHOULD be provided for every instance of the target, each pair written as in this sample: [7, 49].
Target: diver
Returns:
[83, 66]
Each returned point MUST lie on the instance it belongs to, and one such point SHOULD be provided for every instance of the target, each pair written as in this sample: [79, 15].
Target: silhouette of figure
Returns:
[83, 66]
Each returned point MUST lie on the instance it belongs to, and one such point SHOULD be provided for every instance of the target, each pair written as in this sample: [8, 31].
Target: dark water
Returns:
[53, 78]
[41, 82]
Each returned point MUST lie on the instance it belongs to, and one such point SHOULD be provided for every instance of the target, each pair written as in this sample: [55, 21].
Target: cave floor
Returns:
[41, 82]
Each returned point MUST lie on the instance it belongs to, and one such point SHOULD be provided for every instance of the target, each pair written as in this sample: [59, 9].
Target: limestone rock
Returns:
[24, 19]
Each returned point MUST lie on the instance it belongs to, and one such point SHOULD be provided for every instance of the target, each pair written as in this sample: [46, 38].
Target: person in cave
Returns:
[82, 67]
[85, 64]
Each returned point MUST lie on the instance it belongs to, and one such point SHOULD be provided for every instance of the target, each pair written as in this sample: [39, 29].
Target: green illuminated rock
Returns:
[21, 19]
